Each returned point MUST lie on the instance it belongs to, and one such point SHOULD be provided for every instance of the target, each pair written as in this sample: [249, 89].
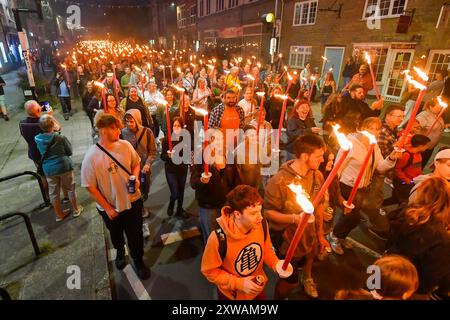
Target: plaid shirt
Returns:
[387, 139]
[215, 118]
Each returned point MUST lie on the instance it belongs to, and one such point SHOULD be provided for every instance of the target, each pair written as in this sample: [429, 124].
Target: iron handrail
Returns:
[37, 177]
[30, 230]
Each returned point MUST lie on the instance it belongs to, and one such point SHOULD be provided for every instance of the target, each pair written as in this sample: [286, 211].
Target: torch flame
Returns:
[367, 56]
[371, 137]
[179, 70]
[289, 77]
[313, 78]
[415, 83]
[161, 101]
[200, 111]
[137, 69]
[179, 89]
[99, 84]
[261, 94]
[421, 74]
[250, 77]
[285, 68]
[281, 96]
[192, 65]
[63, 66]
[442, 103]
[210, 66]
[302, 198]
[342, 139]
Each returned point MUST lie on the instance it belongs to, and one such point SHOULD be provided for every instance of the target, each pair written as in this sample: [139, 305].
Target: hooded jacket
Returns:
[147, 146]
[58, 159]
[280, 198]
[229, 274]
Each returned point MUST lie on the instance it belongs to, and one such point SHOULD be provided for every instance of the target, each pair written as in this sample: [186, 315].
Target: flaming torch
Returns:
[204, 113]
[262, 95]
[169, 126]
[283, 111]
[313, 79]
[422, 89]
[346, 145]
[308, 209]
[374, 81]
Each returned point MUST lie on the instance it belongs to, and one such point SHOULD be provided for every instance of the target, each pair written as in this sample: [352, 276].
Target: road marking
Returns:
[364, 248]
[136, 284]
[181, 235]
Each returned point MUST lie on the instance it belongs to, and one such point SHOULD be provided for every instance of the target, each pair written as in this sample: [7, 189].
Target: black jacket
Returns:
[169, 165]
[426, 245]
[213, 194]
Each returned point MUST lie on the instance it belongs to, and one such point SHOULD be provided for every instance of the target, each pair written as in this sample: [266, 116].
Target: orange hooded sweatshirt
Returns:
[246, 254]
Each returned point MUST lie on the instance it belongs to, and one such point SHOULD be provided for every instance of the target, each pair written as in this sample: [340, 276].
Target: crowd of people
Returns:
[144, 104]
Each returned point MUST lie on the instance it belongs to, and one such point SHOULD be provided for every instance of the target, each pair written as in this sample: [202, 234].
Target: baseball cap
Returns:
[443, 154]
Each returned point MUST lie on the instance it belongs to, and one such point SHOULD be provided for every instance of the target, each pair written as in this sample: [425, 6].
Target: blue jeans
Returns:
[177, 184]
[206, 217]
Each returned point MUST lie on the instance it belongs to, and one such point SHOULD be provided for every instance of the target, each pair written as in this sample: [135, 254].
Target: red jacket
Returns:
[407, 168]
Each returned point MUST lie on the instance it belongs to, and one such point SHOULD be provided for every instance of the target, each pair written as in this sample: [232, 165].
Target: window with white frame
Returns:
[384, 8]
[305, 13]
[220, 5]
[232, 3]
[378, 55]
[444, 17]
[181, 16]
[439, 60]
[299, 56]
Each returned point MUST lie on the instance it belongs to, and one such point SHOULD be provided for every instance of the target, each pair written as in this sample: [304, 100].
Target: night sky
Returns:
[118, 22]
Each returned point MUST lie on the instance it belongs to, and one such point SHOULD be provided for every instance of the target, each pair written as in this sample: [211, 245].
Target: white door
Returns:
[399, 61]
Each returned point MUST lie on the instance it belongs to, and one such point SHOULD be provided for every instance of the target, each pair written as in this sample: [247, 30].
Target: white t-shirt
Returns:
[99, 170]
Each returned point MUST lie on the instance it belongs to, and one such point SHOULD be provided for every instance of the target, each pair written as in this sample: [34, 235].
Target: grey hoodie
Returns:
[147, 147]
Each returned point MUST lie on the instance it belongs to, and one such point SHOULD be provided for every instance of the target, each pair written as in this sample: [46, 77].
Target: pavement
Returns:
[76, 243]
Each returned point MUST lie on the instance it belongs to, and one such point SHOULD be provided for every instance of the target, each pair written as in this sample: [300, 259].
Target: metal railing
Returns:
[27, 221]
[37, 177]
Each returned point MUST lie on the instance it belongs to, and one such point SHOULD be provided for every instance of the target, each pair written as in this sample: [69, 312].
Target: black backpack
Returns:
[222, 237]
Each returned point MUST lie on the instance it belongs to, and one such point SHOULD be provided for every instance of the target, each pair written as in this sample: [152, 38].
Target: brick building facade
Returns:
[234, 27]
[408, 32]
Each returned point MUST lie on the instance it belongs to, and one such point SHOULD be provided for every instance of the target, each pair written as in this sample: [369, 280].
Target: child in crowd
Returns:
[398, 281]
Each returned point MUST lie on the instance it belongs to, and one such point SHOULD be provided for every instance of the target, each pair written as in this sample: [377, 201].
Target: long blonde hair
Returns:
[431, 203]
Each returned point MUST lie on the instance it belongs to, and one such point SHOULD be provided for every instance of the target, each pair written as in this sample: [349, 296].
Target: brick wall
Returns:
[330, 30]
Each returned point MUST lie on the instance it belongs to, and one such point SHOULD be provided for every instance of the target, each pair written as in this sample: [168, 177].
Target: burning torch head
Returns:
[302, 198]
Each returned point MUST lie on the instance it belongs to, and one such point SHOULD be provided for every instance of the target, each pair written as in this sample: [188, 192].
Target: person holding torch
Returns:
[284, 213]
[236, 252]
[363, 160]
